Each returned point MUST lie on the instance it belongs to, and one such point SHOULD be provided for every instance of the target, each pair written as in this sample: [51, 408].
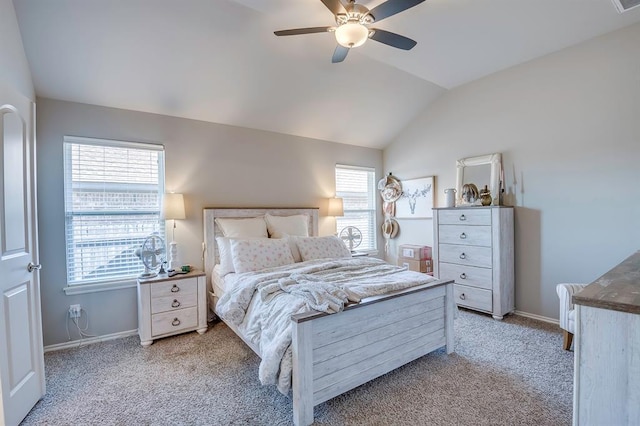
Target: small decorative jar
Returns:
[450, 197]
[485, 196]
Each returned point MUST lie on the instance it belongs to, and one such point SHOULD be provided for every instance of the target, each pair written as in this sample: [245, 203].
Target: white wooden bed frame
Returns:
[333, 354]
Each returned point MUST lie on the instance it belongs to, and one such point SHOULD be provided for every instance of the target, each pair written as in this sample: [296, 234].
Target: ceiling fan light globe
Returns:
[351, 34]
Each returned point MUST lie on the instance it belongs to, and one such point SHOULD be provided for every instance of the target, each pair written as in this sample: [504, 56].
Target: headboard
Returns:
[211, 230]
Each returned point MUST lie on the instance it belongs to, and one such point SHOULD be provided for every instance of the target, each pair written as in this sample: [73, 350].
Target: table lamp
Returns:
[172, 209]
[336, 208]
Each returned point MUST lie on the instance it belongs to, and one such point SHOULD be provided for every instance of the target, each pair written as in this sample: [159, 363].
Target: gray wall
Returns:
[568, 126]
[14, 68]
[212, 164]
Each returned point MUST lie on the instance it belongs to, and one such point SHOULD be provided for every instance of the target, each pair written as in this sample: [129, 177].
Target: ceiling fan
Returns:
[353, 22]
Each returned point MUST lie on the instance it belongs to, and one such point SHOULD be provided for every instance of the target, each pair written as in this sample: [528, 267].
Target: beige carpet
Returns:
[511, 372]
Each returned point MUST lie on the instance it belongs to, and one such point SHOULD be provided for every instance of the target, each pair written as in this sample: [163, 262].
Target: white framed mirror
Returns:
[482, 170]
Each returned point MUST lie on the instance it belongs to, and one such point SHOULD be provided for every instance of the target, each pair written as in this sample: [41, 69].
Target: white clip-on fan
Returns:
[151, 254]
[351, 236]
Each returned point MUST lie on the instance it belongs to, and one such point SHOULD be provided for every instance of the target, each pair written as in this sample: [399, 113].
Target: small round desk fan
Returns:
[351, 236]
[151, 254]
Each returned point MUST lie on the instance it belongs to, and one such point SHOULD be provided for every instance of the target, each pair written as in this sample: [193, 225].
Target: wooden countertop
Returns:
[472, 206]
[165, 277]
[618, 289]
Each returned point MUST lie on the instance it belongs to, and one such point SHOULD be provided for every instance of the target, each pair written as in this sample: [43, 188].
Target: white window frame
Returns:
[125, 281]
[341, 222]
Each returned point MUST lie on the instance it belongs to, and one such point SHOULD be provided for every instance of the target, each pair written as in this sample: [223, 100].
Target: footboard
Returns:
[335, 353]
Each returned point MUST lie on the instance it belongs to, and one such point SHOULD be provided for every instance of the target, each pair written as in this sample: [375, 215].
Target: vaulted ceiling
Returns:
[219, 61]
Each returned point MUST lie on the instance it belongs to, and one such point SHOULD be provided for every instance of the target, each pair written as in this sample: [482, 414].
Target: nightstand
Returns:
[171, 305]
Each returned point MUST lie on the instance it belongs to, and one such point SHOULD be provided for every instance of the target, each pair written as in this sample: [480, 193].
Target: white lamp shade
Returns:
[173, 206]
[351, 34]
[336, 207]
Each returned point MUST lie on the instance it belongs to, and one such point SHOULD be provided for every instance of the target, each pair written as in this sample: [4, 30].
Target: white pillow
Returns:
[224, 253]
[254, 227]
[256, 254]
[330, 247]
[293, 246]
[278, 226]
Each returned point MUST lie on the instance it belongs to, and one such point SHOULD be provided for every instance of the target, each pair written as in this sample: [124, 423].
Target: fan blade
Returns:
[391, 7]
[335, 6]
[339, 54]
[298, 31]
[392, 39]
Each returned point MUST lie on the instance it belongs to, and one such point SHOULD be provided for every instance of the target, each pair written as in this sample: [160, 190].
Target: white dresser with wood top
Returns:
[474, 246]
[171, 305]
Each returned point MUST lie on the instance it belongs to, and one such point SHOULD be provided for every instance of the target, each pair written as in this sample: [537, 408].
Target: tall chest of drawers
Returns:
[474, 247]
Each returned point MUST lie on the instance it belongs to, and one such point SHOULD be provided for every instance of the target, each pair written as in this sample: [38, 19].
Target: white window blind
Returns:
[112, 193]
[356, 186]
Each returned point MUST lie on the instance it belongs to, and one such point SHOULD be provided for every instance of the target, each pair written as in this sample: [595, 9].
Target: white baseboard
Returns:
[83, 342]
[537, 317]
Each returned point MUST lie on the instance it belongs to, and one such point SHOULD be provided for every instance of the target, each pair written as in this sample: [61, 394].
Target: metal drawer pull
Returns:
[463, 236]
[462, 296]
[175, 289]
[463, 276]
[463, 256]
[463, 217]
[175, 322]
[175, 303]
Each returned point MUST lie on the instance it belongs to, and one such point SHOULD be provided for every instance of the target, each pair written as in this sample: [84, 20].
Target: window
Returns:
[112, 197]
[357, 188]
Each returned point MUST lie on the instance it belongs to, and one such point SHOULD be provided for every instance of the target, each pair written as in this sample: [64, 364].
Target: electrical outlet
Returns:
[74, 311]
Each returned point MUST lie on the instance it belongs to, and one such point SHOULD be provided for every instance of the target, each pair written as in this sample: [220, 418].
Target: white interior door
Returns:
[21, 351]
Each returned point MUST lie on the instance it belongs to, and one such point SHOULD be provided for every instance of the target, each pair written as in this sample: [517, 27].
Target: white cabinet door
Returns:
[21, 351]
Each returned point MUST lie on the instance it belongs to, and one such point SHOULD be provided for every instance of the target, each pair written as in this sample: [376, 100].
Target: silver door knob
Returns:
[32, 267]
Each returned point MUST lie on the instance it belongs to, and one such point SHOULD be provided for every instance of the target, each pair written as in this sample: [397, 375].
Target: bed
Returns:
[334, 353]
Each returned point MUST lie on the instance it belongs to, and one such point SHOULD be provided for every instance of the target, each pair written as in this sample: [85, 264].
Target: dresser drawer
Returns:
[175, 321]
[174, 287]
[467, 275]
[176, 301]
[465, 255]
[465, 234]
[465, 217]
[473, 297]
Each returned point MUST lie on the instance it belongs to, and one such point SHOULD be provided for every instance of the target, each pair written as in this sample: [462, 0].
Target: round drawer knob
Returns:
[175, 303]
[463, 236]
[175, 289]
[175, 322]
[463, 256]
[463, 276]
[462, 296]
[463, 217]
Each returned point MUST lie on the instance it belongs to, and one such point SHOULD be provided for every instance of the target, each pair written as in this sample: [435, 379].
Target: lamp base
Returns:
[174, 262]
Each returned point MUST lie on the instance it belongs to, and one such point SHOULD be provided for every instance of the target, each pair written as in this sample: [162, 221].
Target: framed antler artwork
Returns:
[416, 201]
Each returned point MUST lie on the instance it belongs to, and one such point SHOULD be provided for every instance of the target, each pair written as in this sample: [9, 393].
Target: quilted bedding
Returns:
[325, 285]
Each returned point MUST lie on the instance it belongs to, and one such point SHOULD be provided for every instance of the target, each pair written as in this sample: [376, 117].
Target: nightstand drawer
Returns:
[466, 255]
[466, 235]
[465, 217]
[467, 275]
[178, 300]
[473, 297]
[174, 287]
[175, 321]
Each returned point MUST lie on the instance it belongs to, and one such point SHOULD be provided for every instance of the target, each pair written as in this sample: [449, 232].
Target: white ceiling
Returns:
[218, 60]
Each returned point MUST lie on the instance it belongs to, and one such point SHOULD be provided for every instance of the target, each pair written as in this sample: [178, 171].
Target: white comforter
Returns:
[323, 285]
